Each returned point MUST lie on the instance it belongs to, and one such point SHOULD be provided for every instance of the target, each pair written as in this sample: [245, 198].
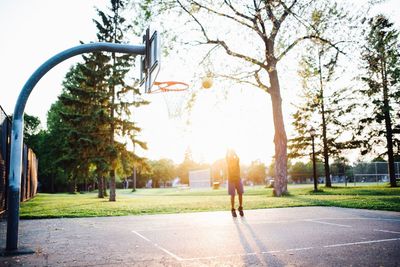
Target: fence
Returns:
[374, 172]
[360, 173]
[29, 177]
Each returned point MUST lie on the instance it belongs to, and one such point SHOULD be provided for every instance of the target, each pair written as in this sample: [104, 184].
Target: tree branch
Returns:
[260, 83]
[309, 37]
[222, 43]
[237, 13]
[278, 22]
[226, 15]
[237, 79]
[195, 19]
[238, 55]
[289, 11]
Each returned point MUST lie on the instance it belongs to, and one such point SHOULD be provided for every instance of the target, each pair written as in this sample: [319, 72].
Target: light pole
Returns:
[312, 133]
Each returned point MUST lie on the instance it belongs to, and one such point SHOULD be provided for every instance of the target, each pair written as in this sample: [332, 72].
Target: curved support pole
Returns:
[17, 134]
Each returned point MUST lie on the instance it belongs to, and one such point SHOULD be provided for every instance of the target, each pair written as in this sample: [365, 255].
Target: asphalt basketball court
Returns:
[307, 236]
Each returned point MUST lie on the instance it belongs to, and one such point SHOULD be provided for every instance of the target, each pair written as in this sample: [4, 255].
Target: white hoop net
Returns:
[175, 102]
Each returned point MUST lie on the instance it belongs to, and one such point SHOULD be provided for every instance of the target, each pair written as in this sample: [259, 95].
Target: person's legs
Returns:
[240, 192]
[231, 191]
[240, 209]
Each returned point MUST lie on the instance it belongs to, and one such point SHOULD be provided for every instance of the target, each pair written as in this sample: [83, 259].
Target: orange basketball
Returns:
[207, 82]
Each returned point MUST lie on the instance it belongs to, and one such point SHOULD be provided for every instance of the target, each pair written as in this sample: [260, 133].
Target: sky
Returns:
[34, 30]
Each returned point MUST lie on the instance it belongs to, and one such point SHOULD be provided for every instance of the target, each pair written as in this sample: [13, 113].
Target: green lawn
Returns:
[171, 200]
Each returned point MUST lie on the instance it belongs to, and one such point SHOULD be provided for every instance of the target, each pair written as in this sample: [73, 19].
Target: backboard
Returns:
[150, 62]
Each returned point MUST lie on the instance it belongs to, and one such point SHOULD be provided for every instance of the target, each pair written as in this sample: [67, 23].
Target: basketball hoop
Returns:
[170, 86]
[174, 94]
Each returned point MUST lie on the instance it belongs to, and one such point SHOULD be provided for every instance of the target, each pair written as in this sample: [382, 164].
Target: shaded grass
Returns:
[171, 200]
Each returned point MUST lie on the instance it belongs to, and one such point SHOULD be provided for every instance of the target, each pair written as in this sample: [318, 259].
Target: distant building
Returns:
[200, 178]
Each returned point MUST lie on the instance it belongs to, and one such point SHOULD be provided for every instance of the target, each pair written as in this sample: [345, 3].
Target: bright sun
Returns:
[219, 125]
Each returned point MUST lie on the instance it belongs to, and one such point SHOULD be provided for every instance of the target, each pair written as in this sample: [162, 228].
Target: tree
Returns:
[94, 107]
[341, 168]
[256, 172]
[162, 171]
[299, 171]
[324, 107]
[92, 91]
[187, 165]
[31, 128]
[381, 56]
[52, 145]
[78, 101]
[113, 27]
[267, 25]
[218, 170]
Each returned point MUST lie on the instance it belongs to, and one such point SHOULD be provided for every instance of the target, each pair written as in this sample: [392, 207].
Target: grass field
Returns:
[172, 200]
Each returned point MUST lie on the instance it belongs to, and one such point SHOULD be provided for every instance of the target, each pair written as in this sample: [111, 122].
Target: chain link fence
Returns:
[29, 178]
[361, 173]
[374, 172]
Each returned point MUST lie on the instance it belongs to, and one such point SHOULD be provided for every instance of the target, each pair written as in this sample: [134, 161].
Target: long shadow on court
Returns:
[255, 256]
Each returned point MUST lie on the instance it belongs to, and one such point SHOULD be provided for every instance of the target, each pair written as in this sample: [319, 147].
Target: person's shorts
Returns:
[235, 186]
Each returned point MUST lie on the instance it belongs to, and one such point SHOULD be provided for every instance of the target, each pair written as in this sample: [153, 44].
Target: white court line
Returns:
[221, 256]
[361, 242]
[292, 249]
[169, 253]
[142, 236]
[298, 249]
[334, 224]
[269, 252]
[257, 222]
[158, 246]
[387, 231]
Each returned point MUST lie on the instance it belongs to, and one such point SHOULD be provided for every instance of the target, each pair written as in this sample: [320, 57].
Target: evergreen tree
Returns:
[323, 104]
[93, 93]
[112, 27]
[53, 174]
[79, 99]
[94, 107]
[381, 56]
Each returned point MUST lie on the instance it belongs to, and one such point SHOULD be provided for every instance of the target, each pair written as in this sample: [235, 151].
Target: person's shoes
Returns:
[240, 209]
[234, 213]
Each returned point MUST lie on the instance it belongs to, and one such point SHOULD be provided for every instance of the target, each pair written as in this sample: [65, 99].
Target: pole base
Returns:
[16, 252]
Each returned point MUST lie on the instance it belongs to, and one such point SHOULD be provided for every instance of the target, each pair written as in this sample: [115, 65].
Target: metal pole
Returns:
[18, 125]
[314, 167]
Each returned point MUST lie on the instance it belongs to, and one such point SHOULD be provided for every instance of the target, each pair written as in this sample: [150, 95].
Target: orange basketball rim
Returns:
[170, 86]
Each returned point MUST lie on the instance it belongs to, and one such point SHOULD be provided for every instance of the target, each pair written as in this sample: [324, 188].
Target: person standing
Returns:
[235, 184]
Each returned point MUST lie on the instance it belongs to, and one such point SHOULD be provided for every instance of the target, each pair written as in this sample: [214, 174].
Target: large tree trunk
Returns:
[389, 135]
[105, 186]
[112, 186]
[100, 186]
[280, 139]
[72, 186]
[134, 180]
[112, 172]
[390, 156]
[324, 139]
[328, 182]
